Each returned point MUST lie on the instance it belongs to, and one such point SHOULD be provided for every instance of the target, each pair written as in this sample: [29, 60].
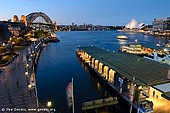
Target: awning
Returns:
[163, 87]
[166, 95]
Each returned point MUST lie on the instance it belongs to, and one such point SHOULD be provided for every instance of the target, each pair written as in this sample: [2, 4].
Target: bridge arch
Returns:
[33, 16]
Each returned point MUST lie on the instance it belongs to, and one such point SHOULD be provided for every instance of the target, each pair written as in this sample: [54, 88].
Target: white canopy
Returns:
[163, 87]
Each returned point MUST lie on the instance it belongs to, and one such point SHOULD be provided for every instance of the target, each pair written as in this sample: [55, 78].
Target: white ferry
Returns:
[133, 48]
[123, 37]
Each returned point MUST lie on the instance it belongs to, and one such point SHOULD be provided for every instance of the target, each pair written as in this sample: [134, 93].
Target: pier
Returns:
[136, 80]
[99, 103]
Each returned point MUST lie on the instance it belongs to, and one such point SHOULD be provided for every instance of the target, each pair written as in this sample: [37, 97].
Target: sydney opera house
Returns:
[133, 24]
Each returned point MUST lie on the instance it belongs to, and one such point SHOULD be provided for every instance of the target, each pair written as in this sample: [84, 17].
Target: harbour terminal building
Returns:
[161, 24]
[142, 82]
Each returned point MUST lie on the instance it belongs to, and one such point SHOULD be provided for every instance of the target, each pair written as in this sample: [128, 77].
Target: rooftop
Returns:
[166, 95]
[146, 72]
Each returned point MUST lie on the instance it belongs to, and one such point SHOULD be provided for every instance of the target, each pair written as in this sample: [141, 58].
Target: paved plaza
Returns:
[14, 91]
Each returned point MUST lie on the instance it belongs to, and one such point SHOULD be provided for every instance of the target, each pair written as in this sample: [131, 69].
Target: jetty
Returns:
[138, 81]
[99, 103]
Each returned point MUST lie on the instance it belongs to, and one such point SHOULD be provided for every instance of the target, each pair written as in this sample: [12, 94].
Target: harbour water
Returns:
[58, 63]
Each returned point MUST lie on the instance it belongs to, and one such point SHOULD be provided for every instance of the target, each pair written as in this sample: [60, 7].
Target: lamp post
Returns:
[49, 104]
[26, 73]
[29, 86]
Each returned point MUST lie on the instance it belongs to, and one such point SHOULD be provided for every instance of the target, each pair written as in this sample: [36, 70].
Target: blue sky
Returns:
[97, 12]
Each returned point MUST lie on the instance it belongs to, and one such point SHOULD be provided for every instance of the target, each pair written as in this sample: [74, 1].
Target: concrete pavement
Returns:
[18, 93]
[14, 91]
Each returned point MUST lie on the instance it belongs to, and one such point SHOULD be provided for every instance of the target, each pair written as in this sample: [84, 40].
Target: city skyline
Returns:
[117, 12]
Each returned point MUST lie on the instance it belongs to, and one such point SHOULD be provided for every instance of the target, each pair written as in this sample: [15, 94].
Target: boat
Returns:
[159, 44]
[123, 37]
[167, 45]
[133, 48]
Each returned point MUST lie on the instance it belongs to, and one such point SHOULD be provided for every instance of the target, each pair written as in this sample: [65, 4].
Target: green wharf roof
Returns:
[145, 71]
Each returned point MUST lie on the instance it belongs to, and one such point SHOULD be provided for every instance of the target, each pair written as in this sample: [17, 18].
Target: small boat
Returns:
[159, 44]
[123, 37]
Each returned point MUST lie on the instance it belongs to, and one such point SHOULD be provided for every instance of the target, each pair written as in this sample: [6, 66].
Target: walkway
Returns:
[14, 92]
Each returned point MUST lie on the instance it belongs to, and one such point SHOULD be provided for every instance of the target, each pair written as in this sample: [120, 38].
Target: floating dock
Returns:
[99, 103]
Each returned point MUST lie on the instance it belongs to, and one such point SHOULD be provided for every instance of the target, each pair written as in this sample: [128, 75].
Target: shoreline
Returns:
[35, 63]
[147, 33]
[18, 79]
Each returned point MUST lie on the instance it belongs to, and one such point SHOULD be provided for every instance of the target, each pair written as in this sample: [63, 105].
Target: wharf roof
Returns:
[145, 71]
[166, 95]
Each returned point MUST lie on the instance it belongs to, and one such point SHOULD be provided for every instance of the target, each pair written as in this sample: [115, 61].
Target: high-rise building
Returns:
[161, 24]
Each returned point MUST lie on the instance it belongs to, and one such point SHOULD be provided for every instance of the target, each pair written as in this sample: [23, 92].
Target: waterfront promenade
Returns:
[14, 80]
[17, 82]
[14, 87]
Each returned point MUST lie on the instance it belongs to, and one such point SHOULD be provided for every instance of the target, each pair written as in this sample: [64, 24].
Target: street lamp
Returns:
[29, 86]
[27, 65]
[49, 104]
[26, 73]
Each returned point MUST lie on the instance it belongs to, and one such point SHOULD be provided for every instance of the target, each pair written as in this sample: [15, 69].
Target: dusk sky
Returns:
[97, 12]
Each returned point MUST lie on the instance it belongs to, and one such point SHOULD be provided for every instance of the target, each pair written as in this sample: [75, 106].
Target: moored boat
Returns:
[133, 48]
[123, 37]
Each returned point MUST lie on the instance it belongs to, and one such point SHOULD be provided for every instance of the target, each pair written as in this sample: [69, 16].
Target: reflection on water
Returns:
[98, 86]
[122, 42]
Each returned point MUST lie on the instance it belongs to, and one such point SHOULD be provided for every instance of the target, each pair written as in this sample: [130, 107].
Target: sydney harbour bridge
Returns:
[40, 21]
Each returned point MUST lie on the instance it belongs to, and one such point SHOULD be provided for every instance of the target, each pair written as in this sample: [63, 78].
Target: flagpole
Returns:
[72, 95]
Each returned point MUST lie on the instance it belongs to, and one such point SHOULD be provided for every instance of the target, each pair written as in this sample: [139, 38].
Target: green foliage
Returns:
[7, 58]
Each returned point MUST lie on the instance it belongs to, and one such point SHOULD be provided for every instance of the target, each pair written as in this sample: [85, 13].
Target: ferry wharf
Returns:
[142, 83]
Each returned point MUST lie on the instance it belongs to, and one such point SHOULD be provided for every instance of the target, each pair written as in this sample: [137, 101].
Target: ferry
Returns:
[161, 56]
[123, 37]
[137, 48]
[133, 48]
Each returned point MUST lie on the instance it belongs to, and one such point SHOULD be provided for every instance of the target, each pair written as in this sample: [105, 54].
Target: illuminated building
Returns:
[161, 24]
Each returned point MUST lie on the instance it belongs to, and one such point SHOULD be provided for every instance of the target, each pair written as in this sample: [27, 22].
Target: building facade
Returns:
[161, 24]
